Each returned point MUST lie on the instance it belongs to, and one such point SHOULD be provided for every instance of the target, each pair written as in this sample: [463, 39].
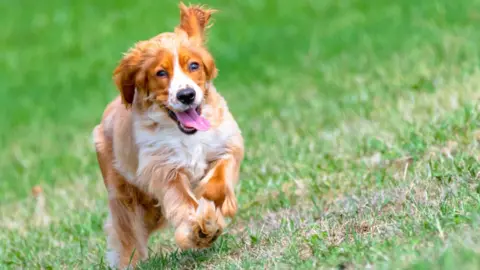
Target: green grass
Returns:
[361, 121]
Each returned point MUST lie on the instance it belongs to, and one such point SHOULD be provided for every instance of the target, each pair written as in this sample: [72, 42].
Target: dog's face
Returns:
[172, 71]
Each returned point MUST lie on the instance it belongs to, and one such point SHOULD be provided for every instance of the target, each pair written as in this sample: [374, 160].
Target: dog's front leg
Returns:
[218, 185]
[197, 223]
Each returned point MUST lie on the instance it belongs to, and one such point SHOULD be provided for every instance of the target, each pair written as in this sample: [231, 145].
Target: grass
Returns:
[361, 120]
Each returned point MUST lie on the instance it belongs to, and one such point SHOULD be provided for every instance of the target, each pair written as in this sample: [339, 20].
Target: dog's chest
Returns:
[189, 152]
[194, 155]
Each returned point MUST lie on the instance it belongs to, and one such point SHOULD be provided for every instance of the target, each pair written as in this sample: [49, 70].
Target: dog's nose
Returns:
[186, 96]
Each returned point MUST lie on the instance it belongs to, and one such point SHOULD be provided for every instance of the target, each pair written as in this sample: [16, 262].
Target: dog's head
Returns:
[172, 71]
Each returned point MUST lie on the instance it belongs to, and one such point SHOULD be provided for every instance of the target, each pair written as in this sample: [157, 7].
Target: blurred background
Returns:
[345, 106]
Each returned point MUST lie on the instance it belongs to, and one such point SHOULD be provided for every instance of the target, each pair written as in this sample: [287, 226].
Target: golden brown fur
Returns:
[149, 177]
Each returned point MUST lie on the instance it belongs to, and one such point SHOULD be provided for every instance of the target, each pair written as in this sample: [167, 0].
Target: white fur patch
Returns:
[95, 137]
[112, 258]
[130, 176]
[112, 255]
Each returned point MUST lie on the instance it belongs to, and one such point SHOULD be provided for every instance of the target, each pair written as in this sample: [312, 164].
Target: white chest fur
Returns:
[168, 146]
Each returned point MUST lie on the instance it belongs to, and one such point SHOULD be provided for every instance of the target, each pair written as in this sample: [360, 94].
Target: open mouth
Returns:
[190, 121]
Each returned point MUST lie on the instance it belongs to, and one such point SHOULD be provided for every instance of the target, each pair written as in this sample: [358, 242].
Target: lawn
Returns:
[361, 121]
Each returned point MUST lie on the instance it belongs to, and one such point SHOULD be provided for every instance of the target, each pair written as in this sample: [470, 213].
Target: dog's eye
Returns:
[162, 73]
[193, 66]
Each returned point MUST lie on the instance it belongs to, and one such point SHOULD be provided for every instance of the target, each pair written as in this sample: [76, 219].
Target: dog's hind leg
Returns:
[127, 235]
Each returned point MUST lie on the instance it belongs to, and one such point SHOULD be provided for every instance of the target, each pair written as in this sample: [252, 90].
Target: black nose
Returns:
[186, 96]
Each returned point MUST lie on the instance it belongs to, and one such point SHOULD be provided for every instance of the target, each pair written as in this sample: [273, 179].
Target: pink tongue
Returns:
[191, 119]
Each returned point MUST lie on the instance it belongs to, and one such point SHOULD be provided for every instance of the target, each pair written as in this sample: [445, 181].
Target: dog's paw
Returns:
[201, 229]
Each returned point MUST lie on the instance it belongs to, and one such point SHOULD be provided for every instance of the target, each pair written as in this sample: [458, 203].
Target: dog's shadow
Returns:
[169, 258]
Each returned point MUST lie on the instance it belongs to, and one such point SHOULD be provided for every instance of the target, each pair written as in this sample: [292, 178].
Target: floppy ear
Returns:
[210, 67]
[194, 21]
[125, 75]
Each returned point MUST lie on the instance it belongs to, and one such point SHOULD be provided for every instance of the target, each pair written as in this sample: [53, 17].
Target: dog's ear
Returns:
[209, 64]
[125, 75]
[194, 21]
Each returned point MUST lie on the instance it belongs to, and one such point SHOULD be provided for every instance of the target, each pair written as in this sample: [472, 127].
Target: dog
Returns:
[168, 148]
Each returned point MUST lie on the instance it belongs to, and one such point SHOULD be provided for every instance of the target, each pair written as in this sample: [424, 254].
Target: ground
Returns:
[361, 121]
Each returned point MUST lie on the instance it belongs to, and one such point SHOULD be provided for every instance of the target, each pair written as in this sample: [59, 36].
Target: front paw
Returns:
[202, 228]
